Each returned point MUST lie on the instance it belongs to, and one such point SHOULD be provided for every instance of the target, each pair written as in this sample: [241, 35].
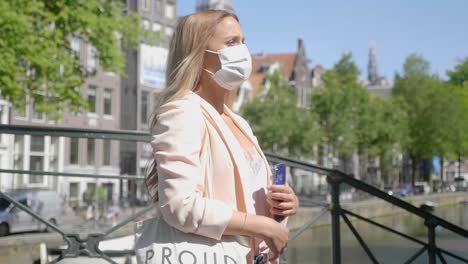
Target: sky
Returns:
[435, 29]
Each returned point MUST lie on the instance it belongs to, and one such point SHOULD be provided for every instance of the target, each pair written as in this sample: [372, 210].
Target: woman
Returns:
[207, 60]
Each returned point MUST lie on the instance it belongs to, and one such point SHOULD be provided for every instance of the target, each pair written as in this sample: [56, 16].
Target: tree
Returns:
[356, 122]
[338, 105]
[37, 64]
[430, 108]
[458, 87]
[279, 123]
[459, 75]
[390, 133]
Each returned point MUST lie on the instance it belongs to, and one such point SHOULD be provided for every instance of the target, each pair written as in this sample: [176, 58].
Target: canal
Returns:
[314, 245]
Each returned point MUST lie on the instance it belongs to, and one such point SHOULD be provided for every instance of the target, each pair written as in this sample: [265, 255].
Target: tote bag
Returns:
[156, 242]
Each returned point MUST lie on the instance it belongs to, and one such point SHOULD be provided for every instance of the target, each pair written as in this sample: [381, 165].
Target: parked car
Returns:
[406, 191]
[46, 204]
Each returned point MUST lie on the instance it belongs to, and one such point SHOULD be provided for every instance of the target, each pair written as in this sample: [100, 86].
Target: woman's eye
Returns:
[234, 41]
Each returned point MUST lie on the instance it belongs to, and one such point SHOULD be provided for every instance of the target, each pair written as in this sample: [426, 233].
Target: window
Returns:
[91, 151]
[36, 159]
[92, 58]
[169, 32]
[22, 113]
[76, 112]
[156, 8]
[37, 144]
[36, 115]
[156, 27]
[92, 98]
[18, 154]
[36, 163]
[53, 153]
[144, 107]
[19, 145]
[3, 120]
[74, 190]
[170, 11]
[145, 4]
[75, 44]
[146, 24]
[107, 153]
[73, 150]
[108, 102]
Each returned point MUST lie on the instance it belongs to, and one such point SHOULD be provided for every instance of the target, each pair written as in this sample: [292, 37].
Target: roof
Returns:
[285, 60]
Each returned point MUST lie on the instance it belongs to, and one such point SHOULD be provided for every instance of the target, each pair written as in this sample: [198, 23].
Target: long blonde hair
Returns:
[184, 67]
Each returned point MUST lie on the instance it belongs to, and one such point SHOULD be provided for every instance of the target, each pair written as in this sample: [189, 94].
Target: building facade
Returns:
[145, 68]
[75, 155]
[215, 4]
[115, 103]
[294, 66]
[5, 178]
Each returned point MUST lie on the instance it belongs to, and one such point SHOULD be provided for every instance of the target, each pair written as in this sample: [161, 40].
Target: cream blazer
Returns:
[177, 143]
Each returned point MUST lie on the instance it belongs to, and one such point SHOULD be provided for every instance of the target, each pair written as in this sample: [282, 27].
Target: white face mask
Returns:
[236, 66]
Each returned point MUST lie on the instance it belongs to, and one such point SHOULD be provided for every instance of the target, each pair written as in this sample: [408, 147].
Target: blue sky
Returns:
[438, 30]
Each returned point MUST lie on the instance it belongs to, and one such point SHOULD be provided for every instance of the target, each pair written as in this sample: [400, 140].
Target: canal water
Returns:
[314, 245]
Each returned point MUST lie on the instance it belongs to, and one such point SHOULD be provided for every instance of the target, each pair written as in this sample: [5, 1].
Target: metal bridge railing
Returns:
[76, 245]
[336, 179]
[89, 246]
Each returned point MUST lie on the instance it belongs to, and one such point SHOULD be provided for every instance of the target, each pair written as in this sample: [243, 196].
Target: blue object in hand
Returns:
[279, 178]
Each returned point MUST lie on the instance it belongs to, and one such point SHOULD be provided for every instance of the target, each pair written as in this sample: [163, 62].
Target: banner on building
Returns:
[153, 66]
[436, 165]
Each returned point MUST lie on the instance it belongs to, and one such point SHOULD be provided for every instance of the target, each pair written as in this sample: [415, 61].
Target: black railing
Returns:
[89, 246]
[337, 178]
[76, 245]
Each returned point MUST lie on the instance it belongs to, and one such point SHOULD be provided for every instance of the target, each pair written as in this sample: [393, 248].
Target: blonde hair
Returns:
[184, 67]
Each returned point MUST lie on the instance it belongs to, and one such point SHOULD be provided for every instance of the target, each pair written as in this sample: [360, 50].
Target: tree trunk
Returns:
[413, 170]
[459, 164]
[429, 177]
[442, 169]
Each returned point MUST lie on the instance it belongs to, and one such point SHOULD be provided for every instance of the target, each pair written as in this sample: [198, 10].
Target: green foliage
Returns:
[459, 75]
[425, 116]
[437, 111]
[432, 107]
[391, 130]
[279, 123]
[457, 119]
[457, 88]
[352, 119]
[338, 105]
[36, 61]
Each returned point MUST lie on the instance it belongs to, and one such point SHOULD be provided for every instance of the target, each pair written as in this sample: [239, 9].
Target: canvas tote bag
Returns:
[156, 242]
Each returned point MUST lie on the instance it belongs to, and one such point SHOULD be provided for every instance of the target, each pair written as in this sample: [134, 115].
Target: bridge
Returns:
[88, 247]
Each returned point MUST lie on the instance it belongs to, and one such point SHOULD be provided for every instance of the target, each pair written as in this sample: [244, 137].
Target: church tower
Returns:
[372, 67]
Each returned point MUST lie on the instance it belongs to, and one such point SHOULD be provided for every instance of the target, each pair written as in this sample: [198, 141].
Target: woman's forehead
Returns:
[228, 27]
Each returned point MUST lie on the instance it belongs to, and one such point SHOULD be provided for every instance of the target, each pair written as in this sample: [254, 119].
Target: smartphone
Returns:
[279, 178]
[279, 174]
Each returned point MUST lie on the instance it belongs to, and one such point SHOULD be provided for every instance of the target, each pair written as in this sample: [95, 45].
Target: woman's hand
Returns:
[275, 236]
[282, 199]
[273, 233]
